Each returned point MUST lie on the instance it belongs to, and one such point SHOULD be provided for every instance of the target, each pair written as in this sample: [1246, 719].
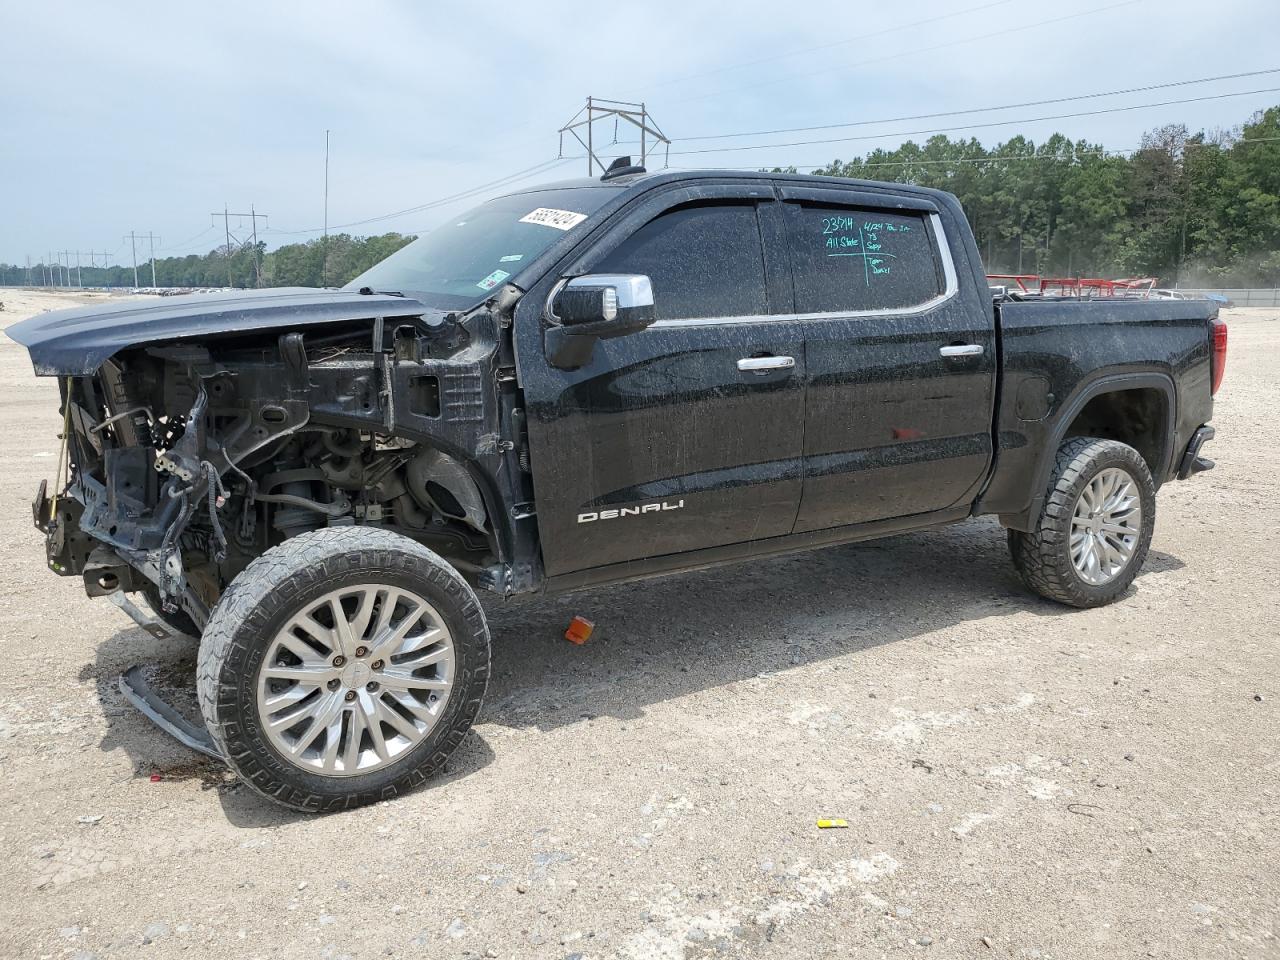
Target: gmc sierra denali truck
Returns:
[578, 384]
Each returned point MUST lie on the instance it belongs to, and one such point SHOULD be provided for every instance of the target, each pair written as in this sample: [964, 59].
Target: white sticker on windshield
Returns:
[511, 258]
[550, 217]
[493, 279]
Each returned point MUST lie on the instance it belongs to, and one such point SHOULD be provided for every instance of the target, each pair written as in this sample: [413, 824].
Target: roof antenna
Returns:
[622, 167]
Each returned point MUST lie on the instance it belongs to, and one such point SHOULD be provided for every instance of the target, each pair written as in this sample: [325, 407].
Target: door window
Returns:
[847, 259]
[703, 260]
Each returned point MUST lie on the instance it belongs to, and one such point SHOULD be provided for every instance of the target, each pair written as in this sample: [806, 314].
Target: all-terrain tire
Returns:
[1043, 556]
[283, 581]
[178, 620]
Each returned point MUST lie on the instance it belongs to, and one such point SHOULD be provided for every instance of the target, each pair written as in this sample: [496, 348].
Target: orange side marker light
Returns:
[579, 631]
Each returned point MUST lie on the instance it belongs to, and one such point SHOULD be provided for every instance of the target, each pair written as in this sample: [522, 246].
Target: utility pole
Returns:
[28, 269]
[133, 238]
[226, 225]
[257, 267]
[93, 262]
[253, 215]
[152, 238]
[133, 247]
[324, 262]
[636, 114]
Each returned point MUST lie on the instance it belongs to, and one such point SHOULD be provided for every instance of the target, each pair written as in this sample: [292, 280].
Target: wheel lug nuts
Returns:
[334, 683]
[351, 695]
[361, 651]
[377, 665]
[371, 686]
[339, 661]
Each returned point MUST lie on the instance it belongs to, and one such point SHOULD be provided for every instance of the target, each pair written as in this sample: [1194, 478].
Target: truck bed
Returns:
[1055, 352]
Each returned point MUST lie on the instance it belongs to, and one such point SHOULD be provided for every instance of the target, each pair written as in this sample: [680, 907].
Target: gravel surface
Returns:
[1019, 779]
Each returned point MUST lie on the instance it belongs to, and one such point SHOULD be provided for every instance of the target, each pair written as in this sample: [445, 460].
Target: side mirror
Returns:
[588, 308]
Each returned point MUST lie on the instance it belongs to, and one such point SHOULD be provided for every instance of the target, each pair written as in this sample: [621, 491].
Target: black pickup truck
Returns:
[583, 383]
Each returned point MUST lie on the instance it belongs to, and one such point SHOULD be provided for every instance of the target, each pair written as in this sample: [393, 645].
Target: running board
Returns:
[138, 692]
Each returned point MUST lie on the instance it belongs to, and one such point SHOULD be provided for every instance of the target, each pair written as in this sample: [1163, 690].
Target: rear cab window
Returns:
[856, 259]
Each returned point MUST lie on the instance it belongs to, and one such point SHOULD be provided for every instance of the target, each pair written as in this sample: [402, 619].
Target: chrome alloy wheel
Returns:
[1106, 526]
[355, 680]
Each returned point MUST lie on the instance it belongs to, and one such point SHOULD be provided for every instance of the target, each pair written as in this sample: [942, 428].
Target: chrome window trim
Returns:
[950, 289]
[555, 289]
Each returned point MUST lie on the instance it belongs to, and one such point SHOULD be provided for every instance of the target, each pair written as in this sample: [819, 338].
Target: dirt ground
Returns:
[1019, 779]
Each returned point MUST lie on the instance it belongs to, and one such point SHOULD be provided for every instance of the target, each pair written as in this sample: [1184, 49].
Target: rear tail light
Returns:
[1217, 354]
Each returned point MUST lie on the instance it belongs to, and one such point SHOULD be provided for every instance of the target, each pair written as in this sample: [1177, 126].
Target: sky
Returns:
[148, 117]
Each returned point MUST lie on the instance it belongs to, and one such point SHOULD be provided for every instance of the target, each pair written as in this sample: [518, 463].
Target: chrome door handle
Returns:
[765, 364]
[962, 350]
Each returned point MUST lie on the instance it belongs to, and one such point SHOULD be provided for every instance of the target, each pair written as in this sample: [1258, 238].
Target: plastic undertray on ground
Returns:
[138, 692]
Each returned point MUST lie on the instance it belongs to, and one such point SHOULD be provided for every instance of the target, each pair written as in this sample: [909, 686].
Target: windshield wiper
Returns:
[369, 291]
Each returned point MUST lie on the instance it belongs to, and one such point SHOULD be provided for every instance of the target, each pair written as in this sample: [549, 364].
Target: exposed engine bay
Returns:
[183, 461]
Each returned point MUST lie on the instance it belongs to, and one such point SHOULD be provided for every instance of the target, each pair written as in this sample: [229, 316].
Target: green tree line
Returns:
[292, 265]
[1196, 209]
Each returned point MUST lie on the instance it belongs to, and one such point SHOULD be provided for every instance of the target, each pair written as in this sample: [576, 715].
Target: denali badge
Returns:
[591, 515]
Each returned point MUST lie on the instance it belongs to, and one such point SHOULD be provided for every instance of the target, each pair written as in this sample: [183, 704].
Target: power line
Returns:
[1007, 158]
[836, 43]
[1006, 106]
[510, 178]
[186, 243]
[916, 51]
[974, 126]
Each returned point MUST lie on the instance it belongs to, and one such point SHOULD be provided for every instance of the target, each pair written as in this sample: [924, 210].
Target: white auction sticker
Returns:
[550, 217]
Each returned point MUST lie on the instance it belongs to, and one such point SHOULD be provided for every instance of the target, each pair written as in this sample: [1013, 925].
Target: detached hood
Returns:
[77, 342]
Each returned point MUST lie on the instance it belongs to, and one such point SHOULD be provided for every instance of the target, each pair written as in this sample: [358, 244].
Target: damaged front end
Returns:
[199, 435]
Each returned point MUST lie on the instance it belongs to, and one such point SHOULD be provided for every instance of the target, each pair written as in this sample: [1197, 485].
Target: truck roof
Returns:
[638, 182]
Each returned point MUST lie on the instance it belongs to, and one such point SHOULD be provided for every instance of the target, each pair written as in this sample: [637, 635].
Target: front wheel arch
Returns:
[282, 583]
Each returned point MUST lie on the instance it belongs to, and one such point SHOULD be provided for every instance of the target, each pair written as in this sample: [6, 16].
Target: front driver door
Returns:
[663, 443]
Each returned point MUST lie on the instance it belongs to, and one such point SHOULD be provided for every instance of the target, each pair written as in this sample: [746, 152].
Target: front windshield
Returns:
[459, 263]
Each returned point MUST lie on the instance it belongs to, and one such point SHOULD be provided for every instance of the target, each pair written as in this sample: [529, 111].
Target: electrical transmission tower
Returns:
[635, 114]
[133, 239]
[53, 263]
[93, 262]
[240, 244]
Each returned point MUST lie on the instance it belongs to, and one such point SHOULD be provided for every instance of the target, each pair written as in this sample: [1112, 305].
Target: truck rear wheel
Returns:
[1092, 535]
[342, 667]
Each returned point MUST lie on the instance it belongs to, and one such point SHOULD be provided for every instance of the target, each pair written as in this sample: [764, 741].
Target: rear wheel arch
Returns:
[1138, 416]
[1105, 398]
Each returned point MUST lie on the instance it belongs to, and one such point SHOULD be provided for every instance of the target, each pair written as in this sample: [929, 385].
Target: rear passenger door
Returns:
[901, 365]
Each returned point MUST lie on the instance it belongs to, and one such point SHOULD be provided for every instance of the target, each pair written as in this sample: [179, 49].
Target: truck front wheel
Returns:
[1092, 535]
[342, 667]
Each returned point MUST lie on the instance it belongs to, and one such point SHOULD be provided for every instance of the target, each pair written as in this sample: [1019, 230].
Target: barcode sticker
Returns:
[550, 217]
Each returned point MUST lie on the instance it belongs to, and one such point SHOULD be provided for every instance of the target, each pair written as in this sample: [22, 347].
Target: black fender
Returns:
[1067, 413]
